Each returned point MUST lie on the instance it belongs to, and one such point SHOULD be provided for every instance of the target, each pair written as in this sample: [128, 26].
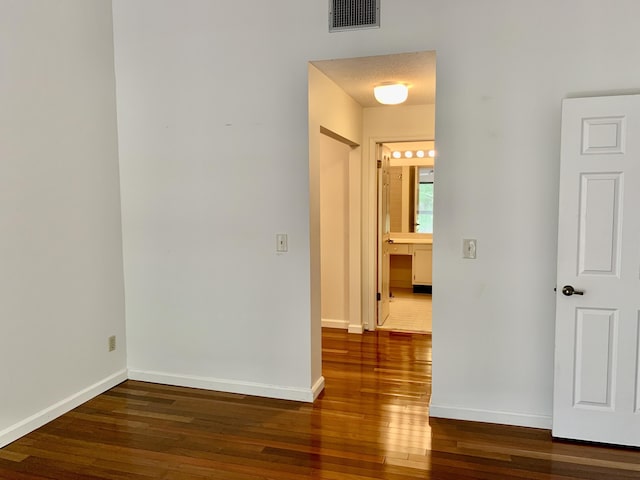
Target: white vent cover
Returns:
[353, 14]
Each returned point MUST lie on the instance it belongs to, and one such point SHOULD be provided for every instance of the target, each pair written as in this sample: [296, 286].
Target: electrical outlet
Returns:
[112, 343]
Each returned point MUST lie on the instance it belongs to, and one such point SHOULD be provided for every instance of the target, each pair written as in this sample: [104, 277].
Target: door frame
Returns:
[383, 262]
[351, 322]
[370, 240]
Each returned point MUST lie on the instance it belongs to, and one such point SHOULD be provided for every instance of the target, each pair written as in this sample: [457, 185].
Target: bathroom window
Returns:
[424, 200]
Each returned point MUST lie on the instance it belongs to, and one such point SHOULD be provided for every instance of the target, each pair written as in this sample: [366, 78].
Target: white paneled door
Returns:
[597, 370]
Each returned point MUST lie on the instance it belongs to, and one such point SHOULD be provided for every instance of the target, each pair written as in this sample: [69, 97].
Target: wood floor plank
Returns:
[371, 422]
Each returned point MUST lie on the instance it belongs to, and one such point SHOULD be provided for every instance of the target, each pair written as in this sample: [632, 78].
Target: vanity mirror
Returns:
[411, 188]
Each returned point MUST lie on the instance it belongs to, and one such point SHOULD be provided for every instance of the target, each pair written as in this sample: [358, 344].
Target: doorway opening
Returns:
[405, 235]
[341, 102]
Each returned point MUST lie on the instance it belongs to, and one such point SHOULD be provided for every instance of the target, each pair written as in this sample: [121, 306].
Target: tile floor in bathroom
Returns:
[408, 311]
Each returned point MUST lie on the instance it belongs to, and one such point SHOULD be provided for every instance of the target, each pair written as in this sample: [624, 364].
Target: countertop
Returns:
[412, 238]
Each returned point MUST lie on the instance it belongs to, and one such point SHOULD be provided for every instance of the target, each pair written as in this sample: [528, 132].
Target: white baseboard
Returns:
[343, 324]
[355, 328]
[42, 417]
[318, 387]
[331, 323]
[229, 386]
[490, 416]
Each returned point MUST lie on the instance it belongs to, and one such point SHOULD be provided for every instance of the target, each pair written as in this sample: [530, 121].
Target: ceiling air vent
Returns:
[353, 14]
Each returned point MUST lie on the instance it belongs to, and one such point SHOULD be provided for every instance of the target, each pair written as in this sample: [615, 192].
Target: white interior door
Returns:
[596, 385]
[384, 227]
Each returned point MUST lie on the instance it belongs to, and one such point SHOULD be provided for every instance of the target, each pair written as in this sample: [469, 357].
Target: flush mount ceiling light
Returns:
[391, 93]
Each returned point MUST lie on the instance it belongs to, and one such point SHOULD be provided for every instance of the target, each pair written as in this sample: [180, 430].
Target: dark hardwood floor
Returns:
[371, 422]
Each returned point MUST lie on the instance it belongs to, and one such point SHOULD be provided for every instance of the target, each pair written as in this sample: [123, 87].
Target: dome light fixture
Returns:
[391, 93]
[396, 154]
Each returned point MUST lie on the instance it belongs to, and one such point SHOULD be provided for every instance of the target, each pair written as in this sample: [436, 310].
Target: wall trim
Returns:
[356, 328]
[318, 387]
[331, 323]
[229, 386]
[37, 420]
[491, 416]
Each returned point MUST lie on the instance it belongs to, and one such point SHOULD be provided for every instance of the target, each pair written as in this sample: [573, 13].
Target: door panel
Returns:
[597, 366]
[599, 240]
[595, 355]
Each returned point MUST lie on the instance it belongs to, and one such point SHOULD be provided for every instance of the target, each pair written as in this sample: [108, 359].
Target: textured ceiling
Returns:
[358, 76]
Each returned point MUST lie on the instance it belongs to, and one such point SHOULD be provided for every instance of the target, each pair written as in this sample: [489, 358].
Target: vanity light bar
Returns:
[412, 153]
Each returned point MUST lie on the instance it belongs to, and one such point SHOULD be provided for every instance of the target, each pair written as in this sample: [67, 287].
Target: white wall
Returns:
[334, 232]
[503, 68]
[214, 163]
[332, 109]
[60, 249]
[213, 124]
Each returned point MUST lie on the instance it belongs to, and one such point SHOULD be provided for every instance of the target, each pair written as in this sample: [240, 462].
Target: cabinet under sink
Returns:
[421, 264]
[410, 265]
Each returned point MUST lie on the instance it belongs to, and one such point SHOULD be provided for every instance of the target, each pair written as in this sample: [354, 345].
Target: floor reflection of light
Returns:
[406, 433]
[408, 440]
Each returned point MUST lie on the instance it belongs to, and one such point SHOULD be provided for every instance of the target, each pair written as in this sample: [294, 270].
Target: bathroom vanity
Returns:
[410, 261]
[410, 210]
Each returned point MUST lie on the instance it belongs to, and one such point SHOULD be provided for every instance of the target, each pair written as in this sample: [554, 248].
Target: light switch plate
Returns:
[469, 246]
[282, 242]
